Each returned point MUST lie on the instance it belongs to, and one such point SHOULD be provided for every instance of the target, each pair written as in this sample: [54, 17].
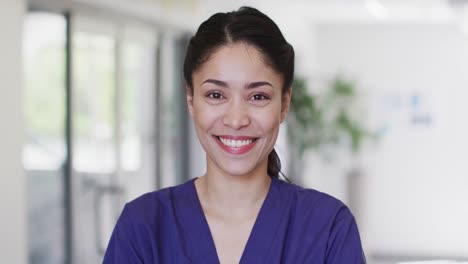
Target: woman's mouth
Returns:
[236, 144]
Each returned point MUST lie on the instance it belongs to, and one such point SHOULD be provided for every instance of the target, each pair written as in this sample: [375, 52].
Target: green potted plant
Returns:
[323, 122]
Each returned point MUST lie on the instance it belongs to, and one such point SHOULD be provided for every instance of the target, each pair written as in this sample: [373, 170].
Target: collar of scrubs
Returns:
[201, 244]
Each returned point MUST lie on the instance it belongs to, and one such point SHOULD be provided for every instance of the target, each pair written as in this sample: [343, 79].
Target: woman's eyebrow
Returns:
[251, 85]
[216, 82]
[258, 84]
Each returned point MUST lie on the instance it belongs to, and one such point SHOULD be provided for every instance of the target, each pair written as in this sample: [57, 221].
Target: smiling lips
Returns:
[236, 144]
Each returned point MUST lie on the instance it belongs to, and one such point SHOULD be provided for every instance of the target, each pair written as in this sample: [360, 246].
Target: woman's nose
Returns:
[236, 115]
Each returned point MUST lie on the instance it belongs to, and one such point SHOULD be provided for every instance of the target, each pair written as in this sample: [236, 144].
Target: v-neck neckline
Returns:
[260, 238]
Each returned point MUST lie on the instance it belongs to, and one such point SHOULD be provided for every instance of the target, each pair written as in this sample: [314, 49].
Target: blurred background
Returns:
[92, 114]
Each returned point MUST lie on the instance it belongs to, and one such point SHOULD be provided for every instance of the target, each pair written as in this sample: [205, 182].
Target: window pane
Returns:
[138, 115]
[133, 82]
[94, 141]
[44, 146]
[93, 103]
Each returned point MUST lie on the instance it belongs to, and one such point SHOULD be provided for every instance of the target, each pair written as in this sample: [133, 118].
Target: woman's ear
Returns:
[286, 101]
[189, 96]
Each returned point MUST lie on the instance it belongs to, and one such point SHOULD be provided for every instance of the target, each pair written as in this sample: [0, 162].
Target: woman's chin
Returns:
[238, 169]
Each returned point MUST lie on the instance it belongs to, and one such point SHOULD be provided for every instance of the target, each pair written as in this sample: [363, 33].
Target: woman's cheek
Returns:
[269, 117]
[207, 116]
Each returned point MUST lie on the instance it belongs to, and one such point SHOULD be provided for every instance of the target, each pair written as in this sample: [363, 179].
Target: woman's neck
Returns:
[234, 196]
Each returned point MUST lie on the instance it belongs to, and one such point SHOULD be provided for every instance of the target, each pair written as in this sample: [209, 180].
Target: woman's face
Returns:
[237, 107]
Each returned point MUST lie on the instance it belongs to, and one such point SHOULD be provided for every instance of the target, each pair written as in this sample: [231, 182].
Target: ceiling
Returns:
[346, 10]
[189, 14]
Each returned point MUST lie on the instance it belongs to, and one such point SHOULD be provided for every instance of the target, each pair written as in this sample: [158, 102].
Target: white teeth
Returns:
[235, 143]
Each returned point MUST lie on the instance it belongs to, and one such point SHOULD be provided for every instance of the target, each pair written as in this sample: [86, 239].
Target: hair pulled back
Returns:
[250, 26]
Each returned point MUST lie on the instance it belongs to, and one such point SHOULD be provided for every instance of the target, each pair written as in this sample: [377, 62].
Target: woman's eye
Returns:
[258, 97]
[215, 96]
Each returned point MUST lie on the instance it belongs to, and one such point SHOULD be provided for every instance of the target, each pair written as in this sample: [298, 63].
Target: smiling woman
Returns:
[238, 71]
[237, 108]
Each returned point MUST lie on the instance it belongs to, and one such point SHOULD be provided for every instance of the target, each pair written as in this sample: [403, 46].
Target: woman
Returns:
[238, 71]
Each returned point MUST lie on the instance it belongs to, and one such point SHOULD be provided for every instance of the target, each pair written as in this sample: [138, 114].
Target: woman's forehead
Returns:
[237, 62]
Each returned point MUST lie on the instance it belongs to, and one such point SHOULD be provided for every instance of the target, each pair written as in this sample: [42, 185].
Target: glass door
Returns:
[137, 110]
[113, 127]
[94, 139]
[92, 136]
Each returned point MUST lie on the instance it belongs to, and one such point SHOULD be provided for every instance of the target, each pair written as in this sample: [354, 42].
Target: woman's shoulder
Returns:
[157, 203]
[315, 202]
[319, 220]
[143, 223]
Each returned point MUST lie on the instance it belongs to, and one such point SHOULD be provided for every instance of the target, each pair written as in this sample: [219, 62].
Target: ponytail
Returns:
[274, 166]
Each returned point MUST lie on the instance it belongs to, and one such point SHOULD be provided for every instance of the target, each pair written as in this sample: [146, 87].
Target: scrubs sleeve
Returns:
[344, 245]
[129, 242]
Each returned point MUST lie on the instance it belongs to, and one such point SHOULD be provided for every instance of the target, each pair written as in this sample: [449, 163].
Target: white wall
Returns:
[13, 245]
[416, 178]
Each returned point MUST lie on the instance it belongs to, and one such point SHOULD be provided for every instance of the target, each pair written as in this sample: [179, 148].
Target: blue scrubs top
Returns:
[294, 225]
